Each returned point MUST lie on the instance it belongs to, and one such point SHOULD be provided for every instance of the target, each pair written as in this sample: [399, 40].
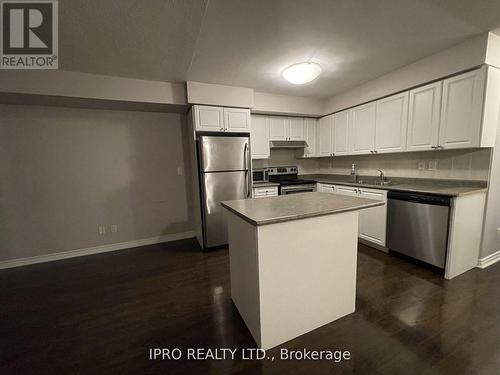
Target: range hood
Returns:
[288, 144]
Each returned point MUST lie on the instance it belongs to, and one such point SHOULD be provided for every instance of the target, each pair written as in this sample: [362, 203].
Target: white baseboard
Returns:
[489, 260]
[94, 250]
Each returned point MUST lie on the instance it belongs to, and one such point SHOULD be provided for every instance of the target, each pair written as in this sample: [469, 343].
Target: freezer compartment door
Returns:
[418, 230]
[223, 153]
[218, 187]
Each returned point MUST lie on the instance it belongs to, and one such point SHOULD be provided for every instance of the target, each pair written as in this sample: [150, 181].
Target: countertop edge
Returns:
[395, 188]
[265, 184]
[301, 216]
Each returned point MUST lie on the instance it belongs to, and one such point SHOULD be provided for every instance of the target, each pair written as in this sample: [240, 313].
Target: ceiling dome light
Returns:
[301, 73]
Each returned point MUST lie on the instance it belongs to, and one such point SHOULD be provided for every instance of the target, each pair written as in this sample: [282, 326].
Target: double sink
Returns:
[373, 182]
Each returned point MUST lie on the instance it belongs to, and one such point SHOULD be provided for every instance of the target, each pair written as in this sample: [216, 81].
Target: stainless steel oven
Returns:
[295, 189]
[289, 181]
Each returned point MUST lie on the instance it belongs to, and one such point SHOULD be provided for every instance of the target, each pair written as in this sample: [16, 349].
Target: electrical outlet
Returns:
[433, 165]
[421, 165]
[101, 229]
[114, 228]
[180, 171]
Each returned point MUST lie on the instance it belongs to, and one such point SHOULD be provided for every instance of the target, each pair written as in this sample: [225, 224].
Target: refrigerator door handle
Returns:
[247, 194]
[249, 181]
[245, 155]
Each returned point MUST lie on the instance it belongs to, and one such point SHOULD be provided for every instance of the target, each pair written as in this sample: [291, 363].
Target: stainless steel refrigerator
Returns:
[224, 174]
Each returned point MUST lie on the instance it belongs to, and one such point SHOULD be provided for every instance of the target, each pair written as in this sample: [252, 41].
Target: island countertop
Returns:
[295, 206]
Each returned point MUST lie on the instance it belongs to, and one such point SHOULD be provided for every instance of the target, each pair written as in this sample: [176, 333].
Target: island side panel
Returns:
[307, 274]
[244, 271]
[464, 238]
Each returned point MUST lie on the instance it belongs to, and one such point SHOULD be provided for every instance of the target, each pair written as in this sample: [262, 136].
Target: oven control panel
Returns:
[282, 170]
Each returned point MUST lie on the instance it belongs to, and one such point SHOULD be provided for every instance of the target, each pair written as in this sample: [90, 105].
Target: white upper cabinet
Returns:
[237, 120]
[310, 128]
[219, 119]
[423, 117]
[325, 136]
[341, 132]
[362, 132]
[287, 129]
[208, 118]
[458, 112]
[277, 126]
[461, 110]
[296, 129]
[391, 123]
[259, 137]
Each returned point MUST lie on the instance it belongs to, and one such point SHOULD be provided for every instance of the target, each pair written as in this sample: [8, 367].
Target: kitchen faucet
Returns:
[382, 175]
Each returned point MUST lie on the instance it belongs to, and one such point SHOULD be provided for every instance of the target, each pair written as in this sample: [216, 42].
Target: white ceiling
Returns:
[249, 42]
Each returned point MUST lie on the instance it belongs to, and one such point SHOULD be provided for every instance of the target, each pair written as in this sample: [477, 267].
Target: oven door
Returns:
[295, 189]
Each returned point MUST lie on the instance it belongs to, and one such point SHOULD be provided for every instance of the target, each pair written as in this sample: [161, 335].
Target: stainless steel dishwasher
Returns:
[417, 226]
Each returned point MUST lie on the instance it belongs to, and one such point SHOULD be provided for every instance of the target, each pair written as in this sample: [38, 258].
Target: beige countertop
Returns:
[295, 206]
[451, 188]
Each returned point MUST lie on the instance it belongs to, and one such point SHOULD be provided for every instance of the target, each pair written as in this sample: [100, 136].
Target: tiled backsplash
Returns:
[467, 164]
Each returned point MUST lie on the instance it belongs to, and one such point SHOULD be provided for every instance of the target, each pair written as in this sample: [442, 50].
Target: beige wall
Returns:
[65, 171]
[268, 103]
[466, 55]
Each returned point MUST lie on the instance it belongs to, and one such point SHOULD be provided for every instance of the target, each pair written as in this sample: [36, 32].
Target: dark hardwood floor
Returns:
[101, 314]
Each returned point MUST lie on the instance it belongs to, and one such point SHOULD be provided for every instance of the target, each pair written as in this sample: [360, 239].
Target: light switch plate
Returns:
[433, 164]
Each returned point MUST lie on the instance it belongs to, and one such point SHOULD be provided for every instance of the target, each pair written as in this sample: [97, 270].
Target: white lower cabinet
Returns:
[372, 221]
[325, 188]
[263, 192]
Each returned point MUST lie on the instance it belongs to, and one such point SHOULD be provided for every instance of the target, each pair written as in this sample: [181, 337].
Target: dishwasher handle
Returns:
[432, 199]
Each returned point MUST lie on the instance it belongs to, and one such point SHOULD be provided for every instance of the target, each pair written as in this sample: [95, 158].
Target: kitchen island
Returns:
[293, 262]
